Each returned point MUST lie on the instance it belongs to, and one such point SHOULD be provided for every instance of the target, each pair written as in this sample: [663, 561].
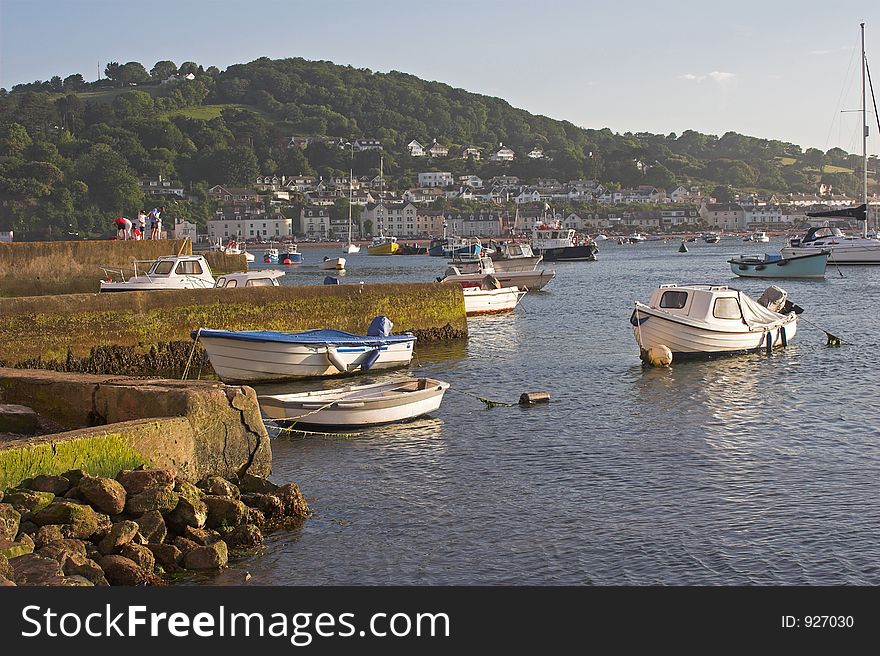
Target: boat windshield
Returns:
[162, 268]
[189, 268]
[726, 308]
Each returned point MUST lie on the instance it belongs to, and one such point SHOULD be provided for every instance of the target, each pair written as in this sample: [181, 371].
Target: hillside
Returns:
[71, 153]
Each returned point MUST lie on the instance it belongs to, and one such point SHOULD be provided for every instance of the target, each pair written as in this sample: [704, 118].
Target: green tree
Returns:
[14, 138]
[74, 82]
[162, 70]
[112, 185]
[132, 73]
[112, 71]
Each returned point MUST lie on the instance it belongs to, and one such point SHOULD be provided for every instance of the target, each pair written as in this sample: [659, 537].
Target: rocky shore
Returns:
[137, 529]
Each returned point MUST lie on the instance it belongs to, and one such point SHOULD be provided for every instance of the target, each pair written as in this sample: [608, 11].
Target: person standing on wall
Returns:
[142, 223]
[156, 222]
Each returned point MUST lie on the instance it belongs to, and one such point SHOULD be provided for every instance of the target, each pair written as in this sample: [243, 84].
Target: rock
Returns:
[28, 502]
[256, 517]
[152, 526]
[184, 545]
[76, 580]
[5, 568]
[24, 538]
[140, 555]
[120, 570]
[75, 476]
[93, 552]
[32, 569]
[295, 504]
[63, 549]
[49, 533]
[74, 493]
[81, 518]
[201, 536]
[212, 556]
[191, 509]
[18, 419]
[12, 549]
[104, 494]
[120, 533]
[269, 504]
[160, 497]
[27, 527]
[137, 480]
[77, 565]
[255, 485]
[246, 536]
[217, 486]
[10, 520]
[167, 555]
[57, 485]
[224, 511]
[104, 526]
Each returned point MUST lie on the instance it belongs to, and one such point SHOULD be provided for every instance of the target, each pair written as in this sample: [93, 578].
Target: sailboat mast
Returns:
[864, 138]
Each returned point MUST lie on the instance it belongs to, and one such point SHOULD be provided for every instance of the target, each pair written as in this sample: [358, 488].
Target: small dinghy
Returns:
[357, 405]
[332, 264]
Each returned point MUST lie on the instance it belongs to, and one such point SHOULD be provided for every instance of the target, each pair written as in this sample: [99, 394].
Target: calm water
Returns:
[744, 470]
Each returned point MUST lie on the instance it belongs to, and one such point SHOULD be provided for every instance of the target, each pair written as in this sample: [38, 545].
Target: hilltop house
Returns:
[222, 193]
[501, 154]
[471, 152]
[361, 145]
[535, 153]
[436, 179]
[161, 187]
[437, 150]
[416, 149]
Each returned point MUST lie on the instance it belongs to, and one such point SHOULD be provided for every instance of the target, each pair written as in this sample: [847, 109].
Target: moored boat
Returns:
[842, 249]
[332, 263]
[773, 265]
[557, 244]
[513, 256]
[383, 246]
[523, 280]
[256, 278]
[712, 319]
[357, 405]
[267, 355]
[270, 256]
[290, 255]
[166, 272]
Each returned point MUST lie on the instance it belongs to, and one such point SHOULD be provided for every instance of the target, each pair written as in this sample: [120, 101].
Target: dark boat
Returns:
[558, 244]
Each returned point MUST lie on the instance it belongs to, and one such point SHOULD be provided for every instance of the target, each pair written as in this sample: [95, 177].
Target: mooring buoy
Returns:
[659, 356]
[530, 398]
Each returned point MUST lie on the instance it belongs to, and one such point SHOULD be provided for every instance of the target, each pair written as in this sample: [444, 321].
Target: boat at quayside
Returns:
[693, 320]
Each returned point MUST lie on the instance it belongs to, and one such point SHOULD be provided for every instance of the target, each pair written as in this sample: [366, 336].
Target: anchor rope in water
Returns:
[289, 425]
[489, 402]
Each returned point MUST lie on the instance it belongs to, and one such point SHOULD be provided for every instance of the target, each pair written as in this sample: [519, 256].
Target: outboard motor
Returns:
[773, 298]
[380, 327]
[330, 280]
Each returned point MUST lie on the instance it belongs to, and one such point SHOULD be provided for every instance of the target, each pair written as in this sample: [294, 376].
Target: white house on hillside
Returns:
[416, 149]
[436, 179]
[502, 154]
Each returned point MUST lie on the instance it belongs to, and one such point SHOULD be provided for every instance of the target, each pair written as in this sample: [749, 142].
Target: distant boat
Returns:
[351, 248]
[357, 405]
[524, 280]
[332, 263]
[711, 238]
[383, 246]
[712, 319]
[757, 237]
[557, 244]
[773, 265]
[636, 237]
[290, 255]
[271, 256]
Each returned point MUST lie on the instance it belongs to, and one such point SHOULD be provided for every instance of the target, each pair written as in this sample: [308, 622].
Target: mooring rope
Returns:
[489, 402]
[191, 354]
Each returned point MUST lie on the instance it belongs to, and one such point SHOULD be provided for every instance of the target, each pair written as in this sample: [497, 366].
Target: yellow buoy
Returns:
[659, 356]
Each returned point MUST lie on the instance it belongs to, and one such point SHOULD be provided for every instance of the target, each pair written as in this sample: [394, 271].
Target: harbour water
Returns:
[752, 469]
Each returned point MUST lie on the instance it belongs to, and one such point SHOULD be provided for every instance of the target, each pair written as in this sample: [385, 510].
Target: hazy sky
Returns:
[773, 68]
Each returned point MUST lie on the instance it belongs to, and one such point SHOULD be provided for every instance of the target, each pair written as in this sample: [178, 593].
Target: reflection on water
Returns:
[753, 469]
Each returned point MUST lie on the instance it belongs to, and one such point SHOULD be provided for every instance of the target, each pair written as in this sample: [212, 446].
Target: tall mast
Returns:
[381, 200]
[350, 186]
[864, 139]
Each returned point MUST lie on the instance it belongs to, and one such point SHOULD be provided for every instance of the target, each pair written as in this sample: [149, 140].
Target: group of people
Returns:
[125, 229]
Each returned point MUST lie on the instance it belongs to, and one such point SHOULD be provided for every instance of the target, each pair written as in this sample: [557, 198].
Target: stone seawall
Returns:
[199, 428]
[148, 333]
[71, 267]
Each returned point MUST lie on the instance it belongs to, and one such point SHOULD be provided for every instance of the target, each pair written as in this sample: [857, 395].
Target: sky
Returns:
[776, 69]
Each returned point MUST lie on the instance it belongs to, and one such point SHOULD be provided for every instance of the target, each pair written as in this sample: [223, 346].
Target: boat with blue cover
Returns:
[245, 356]
[774, 265]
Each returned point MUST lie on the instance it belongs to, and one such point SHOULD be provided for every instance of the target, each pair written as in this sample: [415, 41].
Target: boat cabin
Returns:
[514, 250]
[707, 303]
[546, 237]
[821, 236]
[263, 278]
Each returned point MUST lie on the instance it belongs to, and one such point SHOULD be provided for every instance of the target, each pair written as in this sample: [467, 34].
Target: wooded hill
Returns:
[71, 152]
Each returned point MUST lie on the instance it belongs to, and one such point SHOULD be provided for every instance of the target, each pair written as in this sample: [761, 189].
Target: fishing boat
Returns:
[267, 355]
[844, 249]
[774, 265]
[712, 319]
[757, 237]
[332, 263]
[290, 255]
[513, 256]
[383, 246]
[557, 244]
[166, 272]
[357, 405]
[453, 246]
[523, 280]
[271, 256]
[711, 238]
[257, 278]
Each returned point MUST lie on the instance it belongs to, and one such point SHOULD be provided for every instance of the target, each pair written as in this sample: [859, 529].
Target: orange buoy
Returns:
[287, 261]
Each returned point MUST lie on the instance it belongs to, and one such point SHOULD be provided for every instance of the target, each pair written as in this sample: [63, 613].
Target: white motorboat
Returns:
[332, 263]
[166, 272]
[711, 238]
[267, 355]
[512, 256]
[712, 319]
[351, 248]
[557, 244]
[232, 247]
[257, 278]
[523, 280]
[357, 405]
[488, 296]
[757, 237]
[843, 249]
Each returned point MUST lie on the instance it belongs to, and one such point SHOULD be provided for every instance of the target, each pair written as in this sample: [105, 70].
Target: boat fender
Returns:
[370, 359]
[760, 267]
[336, 360]
[658, 356]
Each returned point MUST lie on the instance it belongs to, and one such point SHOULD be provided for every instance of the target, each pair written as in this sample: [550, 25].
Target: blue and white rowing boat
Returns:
[773, 265]
[266, 355]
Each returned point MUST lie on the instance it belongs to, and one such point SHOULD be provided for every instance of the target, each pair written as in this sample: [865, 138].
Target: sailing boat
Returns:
[350, 247]
[843, 249]
[382, 245]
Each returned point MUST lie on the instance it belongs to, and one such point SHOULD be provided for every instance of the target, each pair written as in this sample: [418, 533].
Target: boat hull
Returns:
[351, 248]
[490, 301]
[582, 253]
[295, 258]
[354, 410]
[522, 280]
[333, 264]
[383, 249]
[652, 329]
[805, 266]
[239, 361]
[840, 254]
